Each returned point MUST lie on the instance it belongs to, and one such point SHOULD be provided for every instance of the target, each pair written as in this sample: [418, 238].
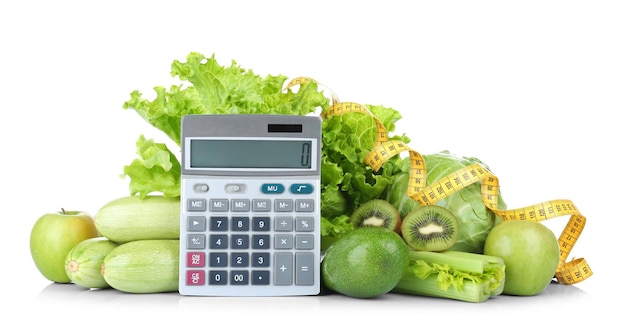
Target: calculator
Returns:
[250, 205]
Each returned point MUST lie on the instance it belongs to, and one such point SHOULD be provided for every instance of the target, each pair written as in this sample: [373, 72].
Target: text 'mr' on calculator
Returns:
[250, 205]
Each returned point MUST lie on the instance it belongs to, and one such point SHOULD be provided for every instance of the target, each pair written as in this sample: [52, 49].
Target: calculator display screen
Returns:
[250, 153]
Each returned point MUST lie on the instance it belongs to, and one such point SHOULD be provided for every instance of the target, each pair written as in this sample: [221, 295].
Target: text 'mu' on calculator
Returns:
[250, 205]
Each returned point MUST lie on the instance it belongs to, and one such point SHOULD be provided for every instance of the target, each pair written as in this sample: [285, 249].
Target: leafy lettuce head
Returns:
[206, 88]
[347, 181]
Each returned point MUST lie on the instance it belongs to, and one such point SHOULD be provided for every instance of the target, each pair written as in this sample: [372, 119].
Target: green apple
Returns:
[53, 236]
[530, 251]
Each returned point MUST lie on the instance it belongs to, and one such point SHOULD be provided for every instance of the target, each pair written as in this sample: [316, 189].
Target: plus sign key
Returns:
[283, 267]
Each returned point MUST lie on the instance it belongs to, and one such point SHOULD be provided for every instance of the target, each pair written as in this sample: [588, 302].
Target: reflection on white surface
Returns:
[70, 295]
[54, 292]
[105, 307]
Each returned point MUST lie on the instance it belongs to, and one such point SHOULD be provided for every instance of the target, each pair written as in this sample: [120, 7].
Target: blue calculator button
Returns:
[272, 188]
[301, 188]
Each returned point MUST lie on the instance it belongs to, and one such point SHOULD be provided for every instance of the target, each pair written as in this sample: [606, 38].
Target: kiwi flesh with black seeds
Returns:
[430, 228]
[377, 212]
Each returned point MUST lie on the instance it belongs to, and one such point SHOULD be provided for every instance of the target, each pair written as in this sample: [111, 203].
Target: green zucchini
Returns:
[131, 218]
[143, 266]
[83, 264]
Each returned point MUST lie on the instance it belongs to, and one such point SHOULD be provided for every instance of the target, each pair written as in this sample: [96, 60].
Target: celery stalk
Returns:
[491, 264]
[465, 261]
[452, 274]
[470, 291]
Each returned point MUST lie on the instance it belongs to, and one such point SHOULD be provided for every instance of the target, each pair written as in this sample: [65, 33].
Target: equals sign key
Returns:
[304, 264]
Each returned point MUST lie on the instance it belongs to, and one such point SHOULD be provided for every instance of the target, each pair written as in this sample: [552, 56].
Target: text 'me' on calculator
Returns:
[250, 205]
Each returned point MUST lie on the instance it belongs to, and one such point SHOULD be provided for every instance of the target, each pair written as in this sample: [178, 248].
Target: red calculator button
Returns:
[195, 278]
[195, 259]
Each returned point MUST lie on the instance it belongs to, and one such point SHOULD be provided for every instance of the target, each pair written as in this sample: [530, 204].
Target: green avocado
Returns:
[366, 262]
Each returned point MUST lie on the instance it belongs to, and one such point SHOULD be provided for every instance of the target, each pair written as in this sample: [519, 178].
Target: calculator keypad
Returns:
[267, 242]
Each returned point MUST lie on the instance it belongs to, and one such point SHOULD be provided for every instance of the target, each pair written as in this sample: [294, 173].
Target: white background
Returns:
[535, 89]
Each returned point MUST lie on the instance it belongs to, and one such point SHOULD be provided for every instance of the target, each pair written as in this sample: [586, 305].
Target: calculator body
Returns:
[250, 205]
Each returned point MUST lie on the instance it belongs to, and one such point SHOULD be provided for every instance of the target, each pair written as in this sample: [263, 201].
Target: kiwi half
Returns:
[377, 212]
[430, 228]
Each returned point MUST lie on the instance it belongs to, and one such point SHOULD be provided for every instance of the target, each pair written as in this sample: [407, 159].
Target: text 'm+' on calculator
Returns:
[250, 205]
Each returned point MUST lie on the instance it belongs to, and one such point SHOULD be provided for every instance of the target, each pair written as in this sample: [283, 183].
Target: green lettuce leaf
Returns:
[347, 181]
[210, 89]
[156, 170]
[216, 89]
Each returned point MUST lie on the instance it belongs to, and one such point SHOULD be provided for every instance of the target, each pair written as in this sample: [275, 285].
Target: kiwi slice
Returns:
[430, 228]
[377, 212]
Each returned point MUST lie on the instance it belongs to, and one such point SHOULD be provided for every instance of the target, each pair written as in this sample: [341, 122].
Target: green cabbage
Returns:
[475, 219]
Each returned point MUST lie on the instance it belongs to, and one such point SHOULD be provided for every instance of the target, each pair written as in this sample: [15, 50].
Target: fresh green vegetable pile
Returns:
[135, 239]
[213, 89]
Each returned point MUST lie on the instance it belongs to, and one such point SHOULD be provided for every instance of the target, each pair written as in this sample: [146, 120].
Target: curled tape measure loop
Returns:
[384, 149]
[304, 80]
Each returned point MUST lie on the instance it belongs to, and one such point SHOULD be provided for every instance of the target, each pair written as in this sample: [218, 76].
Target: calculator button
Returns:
[218, 223]
[304, 224]
[235, 188]
[195, 278]
[272, 188]
[283, 241]
[261, 205]
[283, 268]
[260, 259]
[304, 241]
[218, 241]
[200, 188]
[196, 205]
[301, 188]
[239, 259]
[240, 224]
[218, 259]
[218, 277]
[305, 205]
[261, 224]
[283, 223]
[239, 241]
[239, 278]
[195, 259]
[218, 205]
[261, 241]
[196, 223]
[305, 268]
[196, 241]
[240, 205]
[283, 205]
[260, 278]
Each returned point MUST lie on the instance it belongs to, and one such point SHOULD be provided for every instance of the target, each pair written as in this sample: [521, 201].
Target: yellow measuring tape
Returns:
[570, 272]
